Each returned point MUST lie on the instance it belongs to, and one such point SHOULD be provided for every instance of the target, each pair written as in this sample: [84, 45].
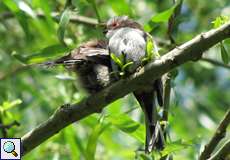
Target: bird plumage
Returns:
[128, 38]
[91, 62]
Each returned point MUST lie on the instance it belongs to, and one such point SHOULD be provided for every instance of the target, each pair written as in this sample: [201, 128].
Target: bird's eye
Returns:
[114, 24]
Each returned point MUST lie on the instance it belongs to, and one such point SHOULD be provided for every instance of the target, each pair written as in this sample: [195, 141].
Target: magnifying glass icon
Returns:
[9, 147]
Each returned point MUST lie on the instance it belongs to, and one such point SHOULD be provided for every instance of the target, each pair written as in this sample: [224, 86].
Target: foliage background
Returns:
[30, 94]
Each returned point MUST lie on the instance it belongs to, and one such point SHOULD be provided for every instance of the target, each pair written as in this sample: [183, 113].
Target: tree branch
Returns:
[8, 126]
[67, 114]
[4, 127]
[56, 17]
[220, 133]
[216, 63]
[222, 153]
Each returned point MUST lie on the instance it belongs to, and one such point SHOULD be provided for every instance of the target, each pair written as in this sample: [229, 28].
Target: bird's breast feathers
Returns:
[130, 42]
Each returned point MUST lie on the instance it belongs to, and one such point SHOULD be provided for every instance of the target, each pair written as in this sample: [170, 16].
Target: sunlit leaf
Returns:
[124, 67]
[220, 21]
[149, 48]
[160, 17]
[26, 8]
[117, 60]
[7, 105]
[163, 16]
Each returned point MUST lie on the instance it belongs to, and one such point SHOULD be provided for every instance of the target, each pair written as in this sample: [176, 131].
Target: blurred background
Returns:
[29, 94]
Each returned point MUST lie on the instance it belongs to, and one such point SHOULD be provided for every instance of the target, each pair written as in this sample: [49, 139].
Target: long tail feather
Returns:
[153, 137]
[158, 85]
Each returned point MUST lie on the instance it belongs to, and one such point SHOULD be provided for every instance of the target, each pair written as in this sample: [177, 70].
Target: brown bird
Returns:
[91, 62]
[127, 39]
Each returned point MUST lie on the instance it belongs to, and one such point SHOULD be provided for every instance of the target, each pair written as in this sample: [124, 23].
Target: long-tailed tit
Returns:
[129, 43]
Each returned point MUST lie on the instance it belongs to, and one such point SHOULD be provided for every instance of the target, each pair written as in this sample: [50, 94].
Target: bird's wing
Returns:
[82, 55]
[96, 55]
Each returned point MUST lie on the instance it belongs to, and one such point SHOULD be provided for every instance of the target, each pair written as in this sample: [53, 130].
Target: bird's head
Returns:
[116, 23]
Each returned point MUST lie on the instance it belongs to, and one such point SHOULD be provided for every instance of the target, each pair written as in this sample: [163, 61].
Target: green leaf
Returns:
[23, 6]
[224, 54]
[9, 105]
[121, 7]
[220, 21]
[174, 73]
[161, 17]
[175, 146]
[227, 41]
[93, 139]
[129, 126]
[64, 20]
[116, 60]
[124, 67]
[149, 48]
[44, 55]
[46, 8]
[69, 134]
[20, 15]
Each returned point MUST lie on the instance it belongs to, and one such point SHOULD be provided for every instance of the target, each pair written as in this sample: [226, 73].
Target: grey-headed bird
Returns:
[130, 44]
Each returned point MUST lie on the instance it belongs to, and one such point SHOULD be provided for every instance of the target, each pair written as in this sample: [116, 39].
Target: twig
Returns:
[222, 153]
[56, 17]
[66, 115]
[219, 134]
[14, 71]
[216, 63]
[8, 126]
[3, 130]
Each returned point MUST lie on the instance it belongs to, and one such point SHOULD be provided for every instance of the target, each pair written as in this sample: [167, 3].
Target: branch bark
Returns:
[67, 114]
[220, 133]
[222, 153]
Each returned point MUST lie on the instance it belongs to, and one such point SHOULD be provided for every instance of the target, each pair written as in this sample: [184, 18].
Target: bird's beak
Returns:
[105, 31]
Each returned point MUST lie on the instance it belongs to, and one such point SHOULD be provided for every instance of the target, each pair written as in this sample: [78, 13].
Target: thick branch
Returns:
[223, 152]
[66, 115]
[220, 133]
